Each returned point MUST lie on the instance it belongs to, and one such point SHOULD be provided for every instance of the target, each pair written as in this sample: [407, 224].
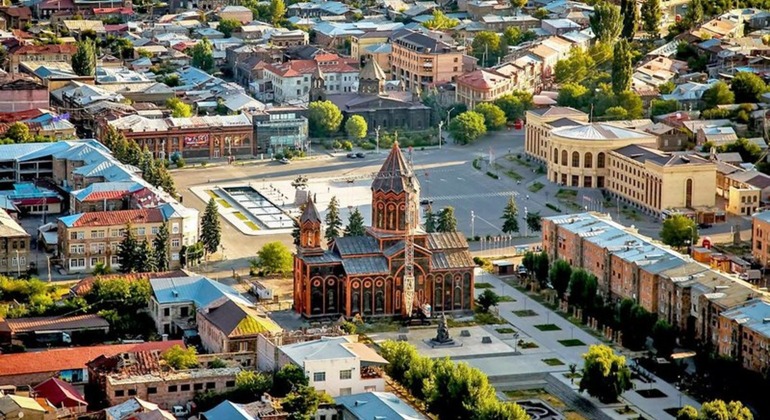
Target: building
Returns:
[208, 137]
[82, 328]
[276, 128]
[63, 396]
[14, 245]
[337, 366]
[22, 94]
[174, 301]
[419, 61]
[371, 405]
[39, 53]
[226, 326]
[744, 335]
[539, 124]
[138, 409]
[293, 80]
[89, 239]
[760, 228]
[364, 274]
[287, 38]
[240, 13]
[17, 407]
[485, 85]
[108, 196]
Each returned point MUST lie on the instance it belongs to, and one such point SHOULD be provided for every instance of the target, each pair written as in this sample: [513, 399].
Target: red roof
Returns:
[56, 360]
[46, 49]
[105, 195]
[113, 10]
[329, 63]
[11, 117]
[60, 393]
[482, 79]
[115, 218]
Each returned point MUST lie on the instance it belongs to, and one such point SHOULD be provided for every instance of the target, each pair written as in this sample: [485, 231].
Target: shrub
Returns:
[552, 207]
[491, 175]
[180, 162]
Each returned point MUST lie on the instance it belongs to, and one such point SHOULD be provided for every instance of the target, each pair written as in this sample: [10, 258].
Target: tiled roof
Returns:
[482, 79]
[45, 49]
[71, 358]
[356, 245]
[60, 393]
[113, 218]
[452, 259]
[394, 174]
[53, 323]
[365, 265]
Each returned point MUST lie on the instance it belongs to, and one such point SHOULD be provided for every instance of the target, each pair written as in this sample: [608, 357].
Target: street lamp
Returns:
[440, 124]
[473, 224]
[447, 115]
[377, 138]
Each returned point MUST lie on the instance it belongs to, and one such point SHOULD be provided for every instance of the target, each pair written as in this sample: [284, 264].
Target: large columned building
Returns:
[364, 274]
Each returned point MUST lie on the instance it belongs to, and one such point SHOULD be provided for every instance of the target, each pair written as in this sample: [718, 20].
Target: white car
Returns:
[179, 411]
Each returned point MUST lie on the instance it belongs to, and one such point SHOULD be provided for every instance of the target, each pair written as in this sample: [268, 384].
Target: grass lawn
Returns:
[525, 312]
[241, 216]
[566, 194]
[224, 203]
[513, 175]
[553, 362]
[484, 286]
[547, 327]
[252, 225]
[537, 186]
[507, 299]
[572, 342]
[505, 330]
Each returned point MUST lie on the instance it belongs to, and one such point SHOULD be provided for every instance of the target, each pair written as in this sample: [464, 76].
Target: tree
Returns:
[274, 257]
[541, 267]
[664, 338]
[420, 371]
[559, 276]
[161, 247]
[84, 59]
[622, 67]
[180, 358]
[289, 378]
[575, 68]
[400, 356]
[467, 127]
[355, 225]
[324, 118]
[666, 88]
[572, 95]
[253, 383]
[277, 11]
[687, 412]
[515, 104]
[494, 117]
[663, 107]
[631, 102]
[440, 21]
[678, 230]
[430, 220]
[716, 410]
[356, 127]
[514, 36]
[19, 133]
[146, 257]
[630, 14]
[534, 221]
[616, 113]
[605, 22]
[750, 152]
[301, 404]
[499, 410]
[694, 13]
[510, 220]
[747, 87]
[486, 299]
[518, 4]
[541, 13]
[178, 108]
[577, 287]
[446, 220]
[456, 390]
[333, 221]
[488, 47]
[651, 16]
[128, 251]
[202, 55]
[227, 26]
[718, 94]
[605, 374]
[211, 230]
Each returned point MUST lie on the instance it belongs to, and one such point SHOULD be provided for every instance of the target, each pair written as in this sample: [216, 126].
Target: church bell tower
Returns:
[310, 230]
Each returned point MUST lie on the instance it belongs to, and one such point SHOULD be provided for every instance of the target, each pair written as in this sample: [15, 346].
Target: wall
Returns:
[186, 386]
[22, 100]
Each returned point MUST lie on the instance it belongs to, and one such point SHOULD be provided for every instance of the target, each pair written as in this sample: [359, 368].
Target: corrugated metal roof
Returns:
[365, 265]
[198, 289]
[356, 245]
[54, 323]
[451, 259]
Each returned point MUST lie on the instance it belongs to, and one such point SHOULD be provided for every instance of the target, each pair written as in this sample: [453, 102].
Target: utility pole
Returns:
[440, 124]
[377, 138]
[473, 224]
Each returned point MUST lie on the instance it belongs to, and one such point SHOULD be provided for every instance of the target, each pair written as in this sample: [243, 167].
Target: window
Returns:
[166, 311]
[230, 384]
[77, 263]
[575, 159]
[600, 161]
[175, 228]
[77, 249]
[184, 311]
[346, 374]
[211, 385]
[346, 391]
[185, 387]
[588, 160]
[197, 387]
[370, 389]
[140, 231]
[154, 230]
[172, 388]
[131, 392]
[319, 376]
[175, 243]
[119, 392]
[152, 390]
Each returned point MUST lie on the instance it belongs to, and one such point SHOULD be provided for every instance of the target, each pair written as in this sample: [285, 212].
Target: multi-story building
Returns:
[14, 245]
[61, 53]
[88, 239]
[292, 80]
[744, 335]
[419, 60]
[208, 137]
[760, 246]
[480, 86]
[21, 94]
[277, 128]
[289, 38]
[539, 124]
[359, 43]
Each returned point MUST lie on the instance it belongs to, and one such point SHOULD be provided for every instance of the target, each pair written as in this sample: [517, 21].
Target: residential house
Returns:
[14, 245]
[498, 23]
[479, 86]
[63, 396]
[287, 38]
[39, 53]
[22, 94]
[718, 136]
[85, 328]
[17, 407]
[559, 26]
[136, 408]
[318, 8]
[107, 196]
[16, 17]
[744, 335]
[225, 326]
[292, 81]
[689, 94]
[368, 405]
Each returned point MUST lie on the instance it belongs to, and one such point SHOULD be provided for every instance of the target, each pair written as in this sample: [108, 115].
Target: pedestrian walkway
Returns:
[653, 408]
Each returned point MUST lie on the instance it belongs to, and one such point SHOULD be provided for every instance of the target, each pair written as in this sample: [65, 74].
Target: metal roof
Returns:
[378, 405]
[365, 265]
[356, 245]
[198, 289]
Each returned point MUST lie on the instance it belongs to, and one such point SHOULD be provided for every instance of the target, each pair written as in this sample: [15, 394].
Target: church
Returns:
[364, 274]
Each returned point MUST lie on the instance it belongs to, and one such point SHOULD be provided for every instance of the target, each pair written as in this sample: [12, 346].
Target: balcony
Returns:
[371, 372]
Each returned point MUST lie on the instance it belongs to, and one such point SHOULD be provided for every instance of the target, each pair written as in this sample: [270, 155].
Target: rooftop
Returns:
[327, 348]
[600, 131]
[197, 289]
[378, 405]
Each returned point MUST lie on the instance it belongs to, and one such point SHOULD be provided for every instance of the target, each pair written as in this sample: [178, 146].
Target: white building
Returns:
[338, 366]
[292, 80]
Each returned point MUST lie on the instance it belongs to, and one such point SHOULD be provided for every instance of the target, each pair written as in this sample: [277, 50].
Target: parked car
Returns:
[351, 155]
[360, 155]
[704, 225]
[522, 270]
[426, 202]
[284, 161]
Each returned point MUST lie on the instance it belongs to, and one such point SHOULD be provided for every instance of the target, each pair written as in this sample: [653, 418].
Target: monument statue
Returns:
[442, 332]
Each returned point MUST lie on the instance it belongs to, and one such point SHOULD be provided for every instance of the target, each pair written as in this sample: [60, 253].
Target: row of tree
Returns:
[468, 126]
[144, 257]
[154, 171]
[511, 221]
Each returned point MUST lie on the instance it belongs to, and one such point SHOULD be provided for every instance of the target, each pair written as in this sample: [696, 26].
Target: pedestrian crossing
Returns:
[467, 196]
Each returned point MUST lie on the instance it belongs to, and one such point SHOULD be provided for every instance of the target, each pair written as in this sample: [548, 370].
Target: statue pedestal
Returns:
[433, 343]
[301, 196]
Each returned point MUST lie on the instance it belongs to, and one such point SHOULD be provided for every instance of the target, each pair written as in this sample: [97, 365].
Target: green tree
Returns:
[440, 21]
[202, 55]
[253, 383]
[678, 230]
[227, 26]
[605, 374]
[559, 276]
[514, 36]
[274, 257]
[666, 88]
[718, 94]
[515, 104]
[605, 22]
[19, 133]
[510, 220]
[518, 4]
[664, 338]
[630, 14]
[172, 80]
[499, 410]
[211, 230]
[161, 247]
[488, 47]
[356, 127]
[534, 221]
[750, 152]
[663, 107]
[631, 102]
[178, 108]
[575, 68]
[180, 358]
[289, 377]
[355, 225]
[494, 117]
[687, 412]
[572, 95]
[302, 404]
[84, 59]
[277, 11]
[146, 256]
[616, 113]
[446, 220]
[747, 87]
[333, 221]
[420, 371]
[467, 127]
[487, 299]
[541, 267]
[577, 287]
[694, 13]
[622, 68]
[719, 410]
[541, 13]
[430, 220]
[324, 118]
[400, 356]
[128, 251]
[456, 390]
[651, 16]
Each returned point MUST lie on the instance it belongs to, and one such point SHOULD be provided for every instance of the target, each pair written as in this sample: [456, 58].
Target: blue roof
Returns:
[128, 186]
[752, 316]
[764, 216]
[227, 410]
[69, 221]
[378, 405]
[198, 289]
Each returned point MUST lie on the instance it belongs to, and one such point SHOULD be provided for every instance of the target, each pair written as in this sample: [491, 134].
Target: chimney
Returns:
[164, 337]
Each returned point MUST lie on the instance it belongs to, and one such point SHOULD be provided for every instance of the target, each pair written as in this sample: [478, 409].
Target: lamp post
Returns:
[440, 124]
[447, 115]
[473, 224]
[377, 138]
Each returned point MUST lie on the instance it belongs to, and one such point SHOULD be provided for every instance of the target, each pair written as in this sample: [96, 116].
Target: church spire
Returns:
[309, 230]
[395, 188]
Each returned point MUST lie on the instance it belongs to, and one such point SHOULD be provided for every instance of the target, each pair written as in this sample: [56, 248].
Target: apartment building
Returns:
[88, 239]
[419, 60]
[760, 246]
[479, 86]
[292, 81]
[14, 246]
[744, 335]
[40, 53]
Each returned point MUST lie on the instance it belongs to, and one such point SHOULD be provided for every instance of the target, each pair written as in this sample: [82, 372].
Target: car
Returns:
[426, 202]
[522, 270]
[360, 155]
[284, 161]
[704, 225]
[180, 411]
[351, 155]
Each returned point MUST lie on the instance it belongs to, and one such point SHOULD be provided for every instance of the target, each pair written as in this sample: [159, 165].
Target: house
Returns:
[264, 409]
[62, 395]
[39, 53]
[134, 408]
[338, 366]
[16, 17]
[689, 94]
[227, 410]
[17, 407]
[718, 136]
[484, 85]
[14, 245]
[226, 326]
[174, 301]
[239, 13]
[82, 328]
[373, 405]
[292, 81]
